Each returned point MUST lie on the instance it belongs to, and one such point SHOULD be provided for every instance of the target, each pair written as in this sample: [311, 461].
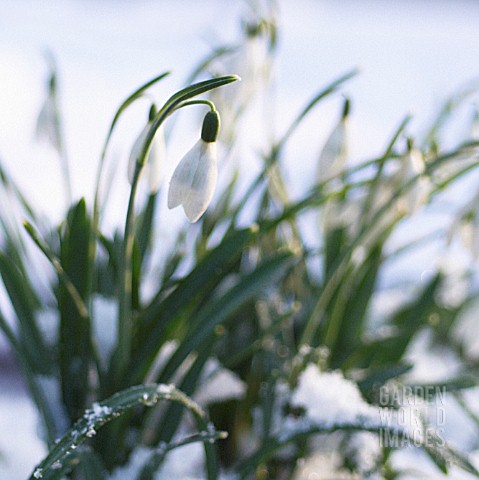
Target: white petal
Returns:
[203, 185]
[46, 130]
[333, 156]
[154, 172]
[417, 161]
[182, 178]
[135, 151]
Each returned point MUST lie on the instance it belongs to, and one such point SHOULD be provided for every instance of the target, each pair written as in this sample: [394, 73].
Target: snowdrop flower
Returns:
[255, 62]
[47, 122]
[466, 227]
[412, 164]
[252, 60]
[332, 160]
[466, 330]
[194, 180]
[152, 170]
[475, 125]
[469, 232]
[334, 153]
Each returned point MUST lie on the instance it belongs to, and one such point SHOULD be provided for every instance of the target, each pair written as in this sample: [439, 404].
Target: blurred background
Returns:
[411, 55]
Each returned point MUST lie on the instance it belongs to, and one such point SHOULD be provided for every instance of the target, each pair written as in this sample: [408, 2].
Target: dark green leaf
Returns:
[218, 310]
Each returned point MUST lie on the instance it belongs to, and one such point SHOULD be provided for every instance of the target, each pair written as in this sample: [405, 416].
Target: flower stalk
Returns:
[122, 356]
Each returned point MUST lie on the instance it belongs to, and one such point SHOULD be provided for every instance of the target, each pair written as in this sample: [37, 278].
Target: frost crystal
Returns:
[165, 390]
[96, 415]
[149, 400]
[99, 410]
[38, 473]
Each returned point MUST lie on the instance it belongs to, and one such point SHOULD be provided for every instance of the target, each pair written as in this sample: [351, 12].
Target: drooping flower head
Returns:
[47, 127]
[412, 165]
[194, 180]
[333, 156]
[332, 161]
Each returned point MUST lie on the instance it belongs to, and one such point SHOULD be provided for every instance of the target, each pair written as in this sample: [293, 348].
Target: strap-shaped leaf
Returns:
[76, 352]
[117, 405]
[25, 303]
[161, 311]
[443, 455]
[219, 309]
[129, 100]
[326, 91]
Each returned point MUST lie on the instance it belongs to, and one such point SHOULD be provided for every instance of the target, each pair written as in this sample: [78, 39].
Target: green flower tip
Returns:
[346, 108]
[152, 113]
[254, 28]
[211, 127]
[410, 144]
[52, 82]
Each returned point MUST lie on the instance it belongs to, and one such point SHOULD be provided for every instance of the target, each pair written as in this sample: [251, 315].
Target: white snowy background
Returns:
[411, 54]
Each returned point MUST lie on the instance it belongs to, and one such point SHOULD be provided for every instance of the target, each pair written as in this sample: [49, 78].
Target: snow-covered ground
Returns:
[410, 53]
[20, 446]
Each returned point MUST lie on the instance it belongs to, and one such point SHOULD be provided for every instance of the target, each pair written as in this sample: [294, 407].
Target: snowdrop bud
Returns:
[211, 127]
[346, 108]
[153, 168]
[466, 225]
[469, 233]
[52, 84]
[194, 180]
[152, 113]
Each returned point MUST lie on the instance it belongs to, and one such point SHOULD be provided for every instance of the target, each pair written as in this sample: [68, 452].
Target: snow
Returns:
[417, 465]
[219, 384]
[47, 320]
[137, 459]
[330, 399]
[104, 324]
[322, 466]
[50, 386]
[20, 448]
[430, 364]
[466, 330]
[174, 467]
[364, 449]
